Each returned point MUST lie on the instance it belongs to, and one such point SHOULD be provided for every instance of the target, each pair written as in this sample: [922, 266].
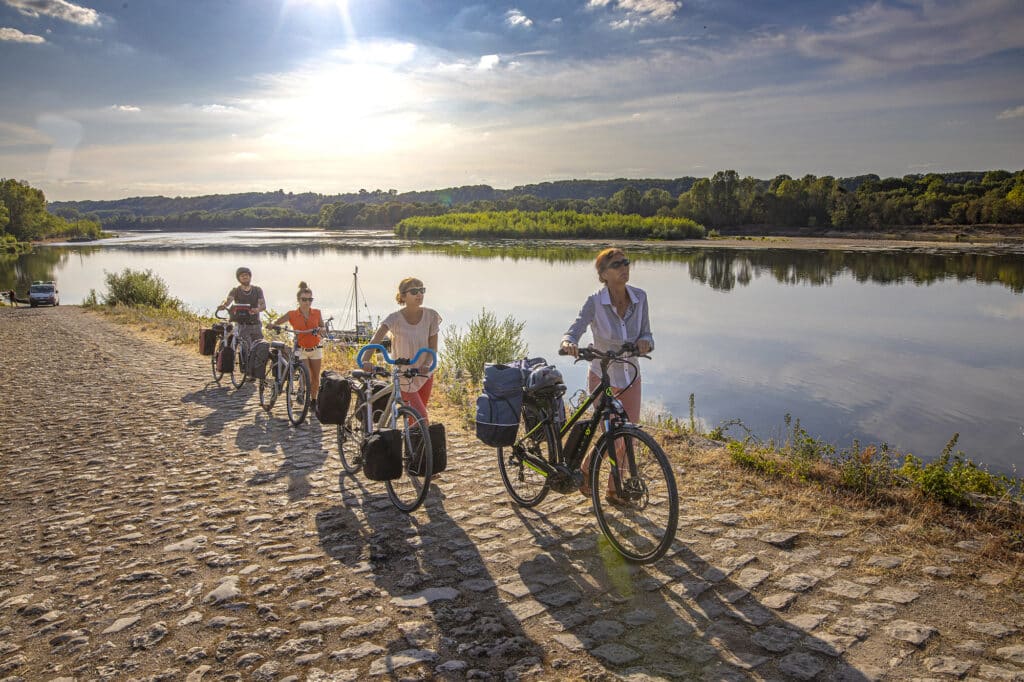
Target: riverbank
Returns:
[168, 526]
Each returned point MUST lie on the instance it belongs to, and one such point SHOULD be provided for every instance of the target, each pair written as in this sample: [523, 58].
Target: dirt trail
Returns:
[158, 526]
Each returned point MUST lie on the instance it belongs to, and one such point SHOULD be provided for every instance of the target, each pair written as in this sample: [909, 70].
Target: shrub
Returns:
[953, 479]
[484, 340]
[138, 287]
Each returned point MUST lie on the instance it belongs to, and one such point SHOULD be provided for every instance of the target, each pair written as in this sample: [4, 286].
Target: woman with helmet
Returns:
[616, 314]
[246, 293]
[411, 327]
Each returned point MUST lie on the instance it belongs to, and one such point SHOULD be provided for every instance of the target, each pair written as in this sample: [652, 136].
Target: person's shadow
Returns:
[226, 404]
[681, 617]
[435, 575]
[301, 449]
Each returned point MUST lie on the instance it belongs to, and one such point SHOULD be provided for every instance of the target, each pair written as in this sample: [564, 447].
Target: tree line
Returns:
[548, 225]
[24, 219]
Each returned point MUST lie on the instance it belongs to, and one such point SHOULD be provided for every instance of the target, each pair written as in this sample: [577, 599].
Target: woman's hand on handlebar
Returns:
[568, 348]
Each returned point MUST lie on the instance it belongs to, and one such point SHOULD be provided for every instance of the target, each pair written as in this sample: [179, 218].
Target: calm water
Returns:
[885, 346]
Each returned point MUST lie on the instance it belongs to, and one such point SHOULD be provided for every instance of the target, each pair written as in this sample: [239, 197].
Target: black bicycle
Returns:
[639, 513]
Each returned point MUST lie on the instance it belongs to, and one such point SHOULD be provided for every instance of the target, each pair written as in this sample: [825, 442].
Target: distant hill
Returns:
[311, 202]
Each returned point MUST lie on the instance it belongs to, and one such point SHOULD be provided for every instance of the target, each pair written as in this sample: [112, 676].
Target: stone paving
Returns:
[162, 527]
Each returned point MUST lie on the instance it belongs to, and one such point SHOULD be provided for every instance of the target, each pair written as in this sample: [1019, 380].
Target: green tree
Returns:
[627, 200]
[26, 208]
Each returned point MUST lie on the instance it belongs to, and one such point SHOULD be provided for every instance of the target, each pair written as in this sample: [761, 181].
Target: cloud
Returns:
[638, 12]
[516, 18]
[488, 62]
[15, 36]
[883, 38]
[61, 9]
[1016, 112]
[125, 107]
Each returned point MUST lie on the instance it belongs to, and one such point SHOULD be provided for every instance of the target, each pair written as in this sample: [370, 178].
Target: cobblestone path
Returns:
[158, 526]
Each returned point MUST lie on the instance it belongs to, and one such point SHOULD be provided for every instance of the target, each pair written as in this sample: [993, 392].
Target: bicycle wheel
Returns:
[297, 397]
[268, 391]
[641, 523]
[213, 360]
[525, 485]
[238, 371]
[408, 492]
[350, 439]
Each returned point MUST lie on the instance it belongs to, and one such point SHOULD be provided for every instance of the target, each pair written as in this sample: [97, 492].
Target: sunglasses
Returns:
[623, 262]
[310, 299]
[416, 290]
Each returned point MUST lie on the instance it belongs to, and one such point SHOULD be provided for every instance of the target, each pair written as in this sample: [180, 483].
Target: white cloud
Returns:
[488, 62]
[15, 36]
[1016, 112]
[125, 107]
[516, 18]
[881, 37]
[638, 12]
[60, 9]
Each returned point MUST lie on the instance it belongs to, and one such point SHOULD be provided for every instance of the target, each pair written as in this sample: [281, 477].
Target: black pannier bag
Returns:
[438, 450]
[335, 396]
[382, 455]
[207, 341]
[259, 355]
[226, 360]
[497, 408]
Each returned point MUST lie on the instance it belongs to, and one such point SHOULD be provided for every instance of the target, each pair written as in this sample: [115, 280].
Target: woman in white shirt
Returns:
[411, 327]
[616, 314]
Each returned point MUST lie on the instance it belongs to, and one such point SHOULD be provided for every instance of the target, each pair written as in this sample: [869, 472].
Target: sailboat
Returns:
[361, 330]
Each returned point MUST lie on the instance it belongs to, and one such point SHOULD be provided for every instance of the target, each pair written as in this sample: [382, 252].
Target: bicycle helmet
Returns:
[242, 271]
[546, 378]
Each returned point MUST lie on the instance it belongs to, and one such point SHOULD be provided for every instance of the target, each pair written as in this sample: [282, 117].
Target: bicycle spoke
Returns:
[525, 485]
[640, 512]
[408, 492]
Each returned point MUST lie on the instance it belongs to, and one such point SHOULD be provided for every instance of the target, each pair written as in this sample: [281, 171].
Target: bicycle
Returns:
[287, 374]
[227, 333]
[408, 492]
[640, 518]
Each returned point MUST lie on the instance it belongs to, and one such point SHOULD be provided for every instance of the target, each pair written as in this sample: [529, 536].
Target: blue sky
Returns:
[184, 97]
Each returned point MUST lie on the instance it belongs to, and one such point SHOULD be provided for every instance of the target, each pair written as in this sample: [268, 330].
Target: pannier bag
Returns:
[438, 450]
[207, 341]
[497, 408]
[259, 355]
[382, 455]
[226, 360]
[335, 396]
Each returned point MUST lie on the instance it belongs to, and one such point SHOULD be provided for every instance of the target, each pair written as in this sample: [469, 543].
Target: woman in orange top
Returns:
[311, 349]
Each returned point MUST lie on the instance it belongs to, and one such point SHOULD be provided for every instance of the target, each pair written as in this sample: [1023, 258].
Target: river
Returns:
[897, 346]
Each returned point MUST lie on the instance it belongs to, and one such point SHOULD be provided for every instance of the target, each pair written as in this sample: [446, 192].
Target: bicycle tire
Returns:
[297, 394]
[526, 486]
[238, 371]
[268, 393]
[217, 376]
[408, 491]
[350, 439]
[644, 528]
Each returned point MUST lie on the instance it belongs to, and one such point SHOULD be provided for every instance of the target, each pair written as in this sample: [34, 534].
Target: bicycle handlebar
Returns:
[591, 353]
[217, 313]
[397, 361]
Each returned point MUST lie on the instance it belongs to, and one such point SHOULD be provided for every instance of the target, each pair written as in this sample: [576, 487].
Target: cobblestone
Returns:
[159, 526]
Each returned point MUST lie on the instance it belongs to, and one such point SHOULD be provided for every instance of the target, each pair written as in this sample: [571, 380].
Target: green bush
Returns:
[485, 340]
[954, 478]
[547, 225]
[138, 287]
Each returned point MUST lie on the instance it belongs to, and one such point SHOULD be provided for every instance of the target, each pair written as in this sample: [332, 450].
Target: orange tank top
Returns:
[297, 321]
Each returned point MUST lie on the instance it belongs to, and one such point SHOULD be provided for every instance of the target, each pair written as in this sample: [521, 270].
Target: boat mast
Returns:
[355, 297]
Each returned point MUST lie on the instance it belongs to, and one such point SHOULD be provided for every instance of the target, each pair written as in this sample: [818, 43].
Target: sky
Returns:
[104, 100]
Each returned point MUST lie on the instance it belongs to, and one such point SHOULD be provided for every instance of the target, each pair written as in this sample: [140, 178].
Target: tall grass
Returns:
[547, 225]
[485, 339]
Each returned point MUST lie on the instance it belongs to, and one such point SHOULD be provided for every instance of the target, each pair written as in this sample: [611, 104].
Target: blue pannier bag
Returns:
[498, 407]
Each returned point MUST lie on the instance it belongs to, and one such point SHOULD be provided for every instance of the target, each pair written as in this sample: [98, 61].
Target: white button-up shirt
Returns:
[611, 331]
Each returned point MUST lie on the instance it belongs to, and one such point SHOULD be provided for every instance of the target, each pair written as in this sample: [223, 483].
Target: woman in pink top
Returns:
[411, 327]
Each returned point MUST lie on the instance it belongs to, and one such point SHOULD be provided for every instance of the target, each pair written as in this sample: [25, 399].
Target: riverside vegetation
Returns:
[24, 219]
[950, 494]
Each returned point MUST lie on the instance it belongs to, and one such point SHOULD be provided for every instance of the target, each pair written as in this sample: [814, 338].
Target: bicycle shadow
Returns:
[436, 577]
[226, 405]
[300, 448]
[682, 617]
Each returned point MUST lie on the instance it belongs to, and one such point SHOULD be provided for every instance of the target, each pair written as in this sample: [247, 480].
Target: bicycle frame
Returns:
[389, 418]
[608, 409]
